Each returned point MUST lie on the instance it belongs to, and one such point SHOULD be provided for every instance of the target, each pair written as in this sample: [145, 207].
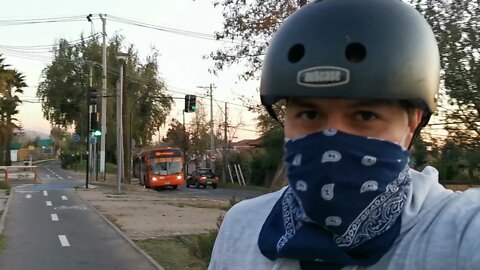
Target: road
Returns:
[49, 227]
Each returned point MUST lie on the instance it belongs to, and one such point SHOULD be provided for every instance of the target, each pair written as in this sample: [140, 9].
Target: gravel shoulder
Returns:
[143, 214]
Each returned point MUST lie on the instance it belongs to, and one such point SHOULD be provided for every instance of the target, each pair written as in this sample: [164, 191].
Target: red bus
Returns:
[159, 167]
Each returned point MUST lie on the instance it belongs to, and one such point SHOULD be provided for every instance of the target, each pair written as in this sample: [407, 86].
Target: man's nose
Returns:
[337, 122]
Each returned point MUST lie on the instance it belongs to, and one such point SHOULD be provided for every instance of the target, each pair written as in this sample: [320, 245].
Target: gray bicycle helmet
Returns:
[360, 49]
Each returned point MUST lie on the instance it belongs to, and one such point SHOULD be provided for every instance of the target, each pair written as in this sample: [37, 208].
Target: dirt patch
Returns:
[144, 215]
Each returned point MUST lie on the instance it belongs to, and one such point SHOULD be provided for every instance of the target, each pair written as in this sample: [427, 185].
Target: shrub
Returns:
[5, 185]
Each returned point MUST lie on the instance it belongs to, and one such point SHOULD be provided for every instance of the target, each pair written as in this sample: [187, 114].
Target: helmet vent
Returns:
[296, 53]
[355, 52]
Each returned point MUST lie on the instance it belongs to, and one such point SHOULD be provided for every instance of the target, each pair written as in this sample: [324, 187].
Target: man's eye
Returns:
[366, 116]
[309, 115]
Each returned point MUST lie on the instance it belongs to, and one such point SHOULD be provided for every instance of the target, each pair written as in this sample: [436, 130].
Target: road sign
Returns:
[76, 137]
[92, 140]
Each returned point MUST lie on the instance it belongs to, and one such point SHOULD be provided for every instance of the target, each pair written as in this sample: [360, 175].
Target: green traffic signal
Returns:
[94, 127]
[190, 103]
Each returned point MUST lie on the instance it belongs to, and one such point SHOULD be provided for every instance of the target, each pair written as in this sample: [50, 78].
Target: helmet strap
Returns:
[422, 124]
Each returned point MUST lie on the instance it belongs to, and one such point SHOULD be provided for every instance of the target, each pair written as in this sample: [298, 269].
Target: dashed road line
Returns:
[28, 196]
[49, 203]
[64, 198]
[54, 217]
[63, 241]
[60, 177]
[69, 177]
[45, 193]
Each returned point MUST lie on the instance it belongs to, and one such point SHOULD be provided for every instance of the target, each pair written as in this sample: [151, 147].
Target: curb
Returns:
[5, 211]
[139, 250]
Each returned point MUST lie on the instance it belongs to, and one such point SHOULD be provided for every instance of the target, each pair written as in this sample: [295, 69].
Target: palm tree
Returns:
[11, 84]
[3, 102]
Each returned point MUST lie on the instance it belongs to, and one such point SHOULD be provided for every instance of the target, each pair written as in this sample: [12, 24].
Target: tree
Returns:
[250, 25]
[64, 82]
[269, 162]
[199, 132]
[58, 135]
[455, 24]
[177, 136]
[419, 153]
[11, 84]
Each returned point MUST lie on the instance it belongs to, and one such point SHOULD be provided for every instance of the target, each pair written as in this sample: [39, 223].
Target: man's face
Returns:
[373, 118]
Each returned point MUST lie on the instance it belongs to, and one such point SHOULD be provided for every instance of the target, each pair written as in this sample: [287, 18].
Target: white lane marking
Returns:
[75, 207]
[49, 203]
[64, 198]
[60, 177]
[63, 241]
[45, 193]
[54, 217]
[48, 175]
[28, 196]
[69, 177]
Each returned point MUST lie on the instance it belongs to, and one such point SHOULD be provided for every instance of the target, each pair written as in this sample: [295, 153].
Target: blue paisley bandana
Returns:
[344, 202]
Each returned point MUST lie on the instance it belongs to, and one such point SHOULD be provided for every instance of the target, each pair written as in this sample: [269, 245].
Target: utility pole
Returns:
[225, 147]
[122, 58]
[91, 109]
[127, 152]
[185, 155]
[212, 136]
[104, 96]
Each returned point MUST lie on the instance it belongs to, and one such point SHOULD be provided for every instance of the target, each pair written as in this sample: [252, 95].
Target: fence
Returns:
[238, 174]
[9, 173]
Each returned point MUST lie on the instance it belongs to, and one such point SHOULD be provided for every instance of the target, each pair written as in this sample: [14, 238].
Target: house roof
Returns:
[248, 143]
[44, 142]
[15, 145]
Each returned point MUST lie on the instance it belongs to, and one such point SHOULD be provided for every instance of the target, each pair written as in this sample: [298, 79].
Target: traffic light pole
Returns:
[91, 124]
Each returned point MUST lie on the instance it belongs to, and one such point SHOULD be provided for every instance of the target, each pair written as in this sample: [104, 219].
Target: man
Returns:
[360, 79]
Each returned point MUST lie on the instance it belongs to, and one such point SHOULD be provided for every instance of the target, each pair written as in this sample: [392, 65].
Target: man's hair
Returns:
[410, 108]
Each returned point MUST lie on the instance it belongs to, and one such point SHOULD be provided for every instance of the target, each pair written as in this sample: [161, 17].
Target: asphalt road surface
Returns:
[49, 227]
[52, 173]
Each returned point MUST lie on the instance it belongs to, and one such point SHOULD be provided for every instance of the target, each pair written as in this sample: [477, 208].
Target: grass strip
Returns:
[172, 253]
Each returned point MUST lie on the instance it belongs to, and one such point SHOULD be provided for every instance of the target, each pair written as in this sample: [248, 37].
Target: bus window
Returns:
[166, 166]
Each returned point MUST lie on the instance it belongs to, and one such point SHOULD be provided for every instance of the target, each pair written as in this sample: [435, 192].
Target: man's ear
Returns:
[415, 120]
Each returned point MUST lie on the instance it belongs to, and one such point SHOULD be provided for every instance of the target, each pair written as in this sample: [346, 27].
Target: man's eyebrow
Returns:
[302, 103]
[371, 103]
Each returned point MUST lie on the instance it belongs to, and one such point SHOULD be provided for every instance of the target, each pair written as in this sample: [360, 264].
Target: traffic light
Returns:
[190, 103]
[94, 124]
[92, 95]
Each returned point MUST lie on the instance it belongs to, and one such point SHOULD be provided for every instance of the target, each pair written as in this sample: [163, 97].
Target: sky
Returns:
[181, 62]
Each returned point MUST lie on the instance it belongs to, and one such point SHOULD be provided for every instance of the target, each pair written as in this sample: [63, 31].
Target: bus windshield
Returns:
[166, 166]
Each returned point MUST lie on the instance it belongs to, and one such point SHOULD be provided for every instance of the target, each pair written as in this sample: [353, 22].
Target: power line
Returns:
[119, 20]
[41, 20]
[169, 30]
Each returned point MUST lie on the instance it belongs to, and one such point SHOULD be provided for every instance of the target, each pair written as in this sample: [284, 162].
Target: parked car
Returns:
[202, 178]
